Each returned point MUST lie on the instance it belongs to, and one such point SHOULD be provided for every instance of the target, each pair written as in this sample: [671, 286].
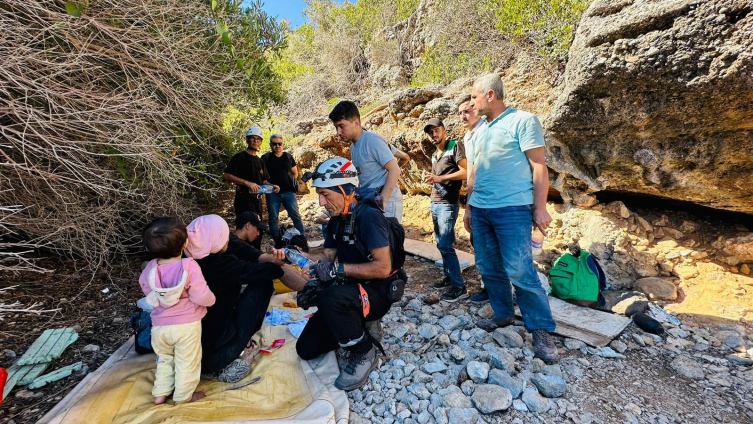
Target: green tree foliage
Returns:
[546, 25]
[333, 53]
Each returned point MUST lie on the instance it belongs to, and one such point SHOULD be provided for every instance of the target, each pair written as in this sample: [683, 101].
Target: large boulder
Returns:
[658, 100]
[405, 100]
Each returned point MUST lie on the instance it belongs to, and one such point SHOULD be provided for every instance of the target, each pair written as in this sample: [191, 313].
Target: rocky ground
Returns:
[442, 369]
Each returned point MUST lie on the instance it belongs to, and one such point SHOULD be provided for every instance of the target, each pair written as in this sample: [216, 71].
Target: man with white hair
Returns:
[507, 193]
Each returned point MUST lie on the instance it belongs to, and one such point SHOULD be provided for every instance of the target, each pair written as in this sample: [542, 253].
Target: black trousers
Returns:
[340, 319]
[248, 317]
[245, 202]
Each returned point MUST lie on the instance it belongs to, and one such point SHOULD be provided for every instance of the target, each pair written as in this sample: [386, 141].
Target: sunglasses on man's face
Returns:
[276, 144]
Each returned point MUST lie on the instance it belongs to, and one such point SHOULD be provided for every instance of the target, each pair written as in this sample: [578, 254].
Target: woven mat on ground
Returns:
[290, 390]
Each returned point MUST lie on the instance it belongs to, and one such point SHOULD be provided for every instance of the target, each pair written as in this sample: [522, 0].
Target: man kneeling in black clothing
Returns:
[356, 271]
[247, 228]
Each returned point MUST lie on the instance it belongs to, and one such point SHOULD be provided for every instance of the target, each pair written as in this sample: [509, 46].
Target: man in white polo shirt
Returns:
[507, 195]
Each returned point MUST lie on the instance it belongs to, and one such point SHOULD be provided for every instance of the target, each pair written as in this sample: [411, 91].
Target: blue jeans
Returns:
[502, 241]
[291, 205]
[444, 217]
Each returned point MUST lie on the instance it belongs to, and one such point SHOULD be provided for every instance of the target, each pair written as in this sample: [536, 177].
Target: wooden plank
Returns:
[49, 346]
[55, 375]
[430, 252]
[45, 349]
[591, 339]
[593, 327]
[12, 380]
[22, 375]
[30, 372]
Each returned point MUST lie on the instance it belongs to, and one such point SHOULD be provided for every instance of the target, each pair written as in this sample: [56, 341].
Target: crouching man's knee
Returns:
[306, 353]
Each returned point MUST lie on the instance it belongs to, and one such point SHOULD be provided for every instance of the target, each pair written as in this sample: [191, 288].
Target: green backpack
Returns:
[578, 279]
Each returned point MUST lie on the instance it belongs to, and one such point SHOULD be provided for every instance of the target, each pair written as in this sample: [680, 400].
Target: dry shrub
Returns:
[111, 118]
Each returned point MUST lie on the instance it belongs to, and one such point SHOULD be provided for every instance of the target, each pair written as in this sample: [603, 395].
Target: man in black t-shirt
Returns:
[283, 172]
[248, 172]
[447, 174]
[360, 285]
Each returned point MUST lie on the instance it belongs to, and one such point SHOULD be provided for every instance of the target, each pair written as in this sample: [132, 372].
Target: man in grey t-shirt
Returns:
[379, 170]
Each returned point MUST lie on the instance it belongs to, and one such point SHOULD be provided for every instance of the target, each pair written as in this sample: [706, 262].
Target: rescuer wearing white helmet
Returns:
[248, 172]
[357, 270]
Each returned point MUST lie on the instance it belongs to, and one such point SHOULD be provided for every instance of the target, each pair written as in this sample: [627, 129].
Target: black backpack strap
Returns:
[366, 253]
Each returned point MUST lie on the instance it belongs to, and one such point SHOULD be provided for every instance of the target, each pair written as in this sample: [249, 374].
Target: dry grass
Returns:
[102, 119]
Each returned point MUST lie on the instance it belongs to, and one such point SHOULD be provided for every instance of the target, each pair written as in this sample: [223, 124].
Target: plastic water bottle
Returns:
[441, 191]
[266, 189]
[296, 258]
[537, 242]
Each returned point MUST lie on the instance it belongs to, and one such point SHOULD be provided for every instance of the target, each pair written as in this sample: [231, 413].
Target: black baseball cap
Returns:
[249, 217]
[433, 122]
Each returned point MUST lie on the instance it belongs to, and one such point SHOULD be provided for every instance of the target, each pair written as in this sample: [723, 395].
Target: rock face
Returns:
[657, 288]
[658, 100]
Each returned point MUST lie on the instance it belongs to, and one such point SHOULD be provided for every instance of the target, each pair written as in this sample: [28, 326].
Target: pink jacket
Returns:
[194, 300]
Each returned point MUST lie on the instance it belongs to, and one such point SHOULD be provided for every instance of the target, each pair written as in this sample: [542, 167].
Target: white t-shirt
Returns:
[468, 144]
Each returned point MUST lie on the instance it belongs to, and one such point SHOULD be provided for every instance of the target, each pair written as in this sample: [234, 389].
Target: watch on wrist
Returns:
[341, 271]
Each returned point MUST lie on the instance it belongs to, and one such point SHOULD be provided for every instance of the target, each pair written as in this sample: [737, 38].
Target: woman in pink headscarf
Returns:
[235, 316]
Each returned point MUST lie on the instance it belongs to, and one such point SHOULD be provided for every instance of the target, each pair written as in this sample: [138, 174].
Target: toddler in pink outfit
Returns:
[179, 294]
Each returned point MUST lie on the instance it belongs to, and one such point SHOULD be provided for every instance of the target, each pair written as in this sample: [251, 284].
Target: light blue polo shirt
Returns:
[503, 175]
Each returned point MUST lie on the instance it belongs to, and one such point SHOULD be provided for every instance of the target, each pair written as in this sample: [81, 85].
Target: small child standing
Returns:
[179, 294]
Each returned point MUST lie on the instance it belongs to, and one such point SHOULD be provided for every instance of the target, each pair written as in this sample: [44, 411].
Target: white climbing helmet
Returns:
[254, 131]
[335, 172]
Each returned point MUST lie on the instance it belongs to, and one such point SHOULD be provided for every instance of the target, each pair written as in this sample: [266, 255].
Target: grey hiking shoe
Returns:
[235, 372]
[494, 323]
[375, 329]
[357, 370]
[544, 348]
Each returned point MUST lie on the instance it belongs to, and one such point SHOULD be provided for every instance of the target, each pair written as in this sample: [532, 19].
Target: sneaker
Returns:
[235, 372]
[544, 348]
[480, 297]
[490, 325]
[252, 350]
[442, 284]
[357, 370]
[454, 294]
[375, 329]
